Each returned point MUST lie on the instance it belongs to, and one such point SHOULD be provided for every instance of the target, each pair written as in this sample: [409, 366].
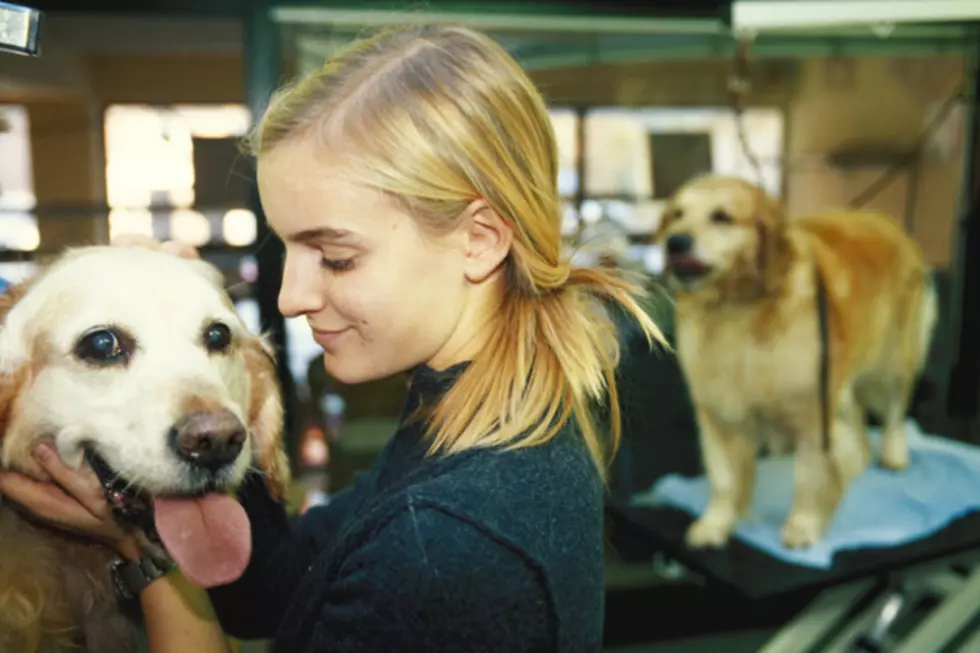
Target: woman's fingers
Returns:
[74, 500]
[81, 484]
[48, 502]
[180, 249]
[174, 247]
[135, 240]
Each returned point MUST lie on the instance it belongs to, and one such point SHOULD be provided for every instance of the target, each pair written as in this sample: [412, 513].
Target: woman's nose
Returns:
[300, 293]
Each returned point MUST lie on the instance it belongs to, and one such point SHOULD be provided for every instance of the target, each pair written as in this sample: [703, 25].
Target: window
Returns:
[565, 122]
[153, 163]
[680, 156]
[635, 158]
[18, 227]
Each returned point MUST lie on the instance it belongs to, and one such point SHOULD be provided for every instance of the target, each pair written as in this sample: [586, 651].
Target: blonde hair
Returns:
[438, 116]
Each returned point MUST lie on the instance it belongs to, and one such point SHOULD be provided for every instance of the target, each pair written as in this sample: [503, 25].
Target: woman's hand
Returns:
[183, 250]
[73, 501]
[178, 616]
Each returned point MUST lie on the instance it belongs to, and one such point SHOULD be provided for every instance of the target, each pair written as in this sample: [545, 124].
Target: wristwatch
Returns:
[129, 577]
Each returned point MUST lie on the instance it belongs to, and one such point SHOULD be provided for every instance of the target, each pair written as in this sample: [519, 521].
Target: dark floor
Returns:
[748, 642]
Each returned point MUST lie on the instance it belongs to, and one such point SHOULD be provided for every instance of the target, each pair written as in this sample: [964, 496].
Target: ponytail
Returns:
[552, 356]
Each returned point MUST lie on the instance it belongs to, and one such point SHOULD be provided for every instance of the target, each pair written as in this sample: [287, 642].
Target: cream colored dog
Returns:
[751, 287]
[133, 361]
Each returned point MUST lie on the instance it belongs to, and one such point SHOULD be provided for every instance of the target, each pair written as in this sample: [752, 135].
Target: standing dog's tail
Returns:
[928, 316]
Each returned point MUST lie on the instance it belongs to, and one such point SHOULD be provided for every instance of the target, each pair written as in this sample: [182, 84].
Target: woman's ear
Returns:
[488, 240]
[265, 416]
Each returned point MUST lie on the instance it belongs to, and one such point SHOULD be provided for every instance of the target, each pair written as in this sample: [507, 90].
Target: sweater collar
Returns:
[430, 384]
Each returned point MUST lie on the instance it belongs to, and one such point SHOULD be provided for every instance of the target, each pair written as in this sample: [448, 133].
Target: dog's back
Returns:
[882, 302]
[883, 309]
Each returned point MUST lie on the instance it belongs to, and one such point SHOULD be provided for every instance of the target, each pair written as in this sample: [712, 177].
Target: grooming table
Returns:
[861, 601]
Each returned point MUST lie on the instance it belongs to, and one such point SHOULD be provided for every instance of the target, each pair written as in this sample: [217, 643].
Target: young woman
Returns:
[413, 180]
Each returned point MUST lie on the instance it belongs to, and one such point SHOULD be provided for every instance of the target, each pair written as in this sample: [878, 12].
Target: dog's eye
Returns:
[103, 347]
[721, 217]
[217, 337]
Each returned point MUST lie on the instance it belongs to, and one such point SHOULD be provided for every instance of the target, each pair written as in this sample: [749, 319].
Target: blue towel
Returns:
[3, 285]
[881, 508]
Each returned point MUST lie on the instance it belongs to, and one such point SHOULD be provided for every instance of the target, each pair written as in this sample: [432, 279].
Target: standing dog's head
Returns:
[137, 362]
[719, 229]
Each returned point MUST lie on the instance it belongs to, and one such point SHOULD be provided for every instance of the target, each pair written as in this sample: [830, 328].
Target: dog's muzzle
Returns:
[208, 440]
[128, 504]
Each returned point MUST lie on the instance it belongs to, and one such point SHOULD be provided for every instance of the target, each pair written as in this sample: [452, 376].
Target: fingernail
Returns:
[43, 451]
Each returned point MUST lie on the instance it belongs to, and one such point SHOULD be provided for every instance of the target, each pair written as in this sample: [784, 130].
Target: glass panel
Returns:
[150, 175]
[12, 272]
[622, 158]
[18, 227]
[565, 124]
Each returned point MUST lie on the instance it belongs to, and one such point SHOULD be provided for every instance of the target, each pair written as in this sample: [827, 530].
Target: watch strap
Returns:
[130, 577]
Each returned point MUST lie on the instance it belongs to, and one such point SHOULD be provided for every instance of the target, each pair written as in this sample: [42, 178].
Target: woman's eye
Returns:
[338, 265]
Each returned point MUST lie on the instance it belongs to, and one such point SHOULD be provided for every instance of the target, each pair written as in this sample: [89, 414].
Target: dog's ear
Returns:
[10, 387]
[771, 235]
[265, 415]
[668, 216]
[13, 375]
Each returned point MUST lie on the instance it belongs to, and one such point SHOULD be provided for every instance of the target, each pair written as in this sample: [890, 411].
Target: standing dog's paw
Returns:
[894, 456]
[709, 532]
[801, 531]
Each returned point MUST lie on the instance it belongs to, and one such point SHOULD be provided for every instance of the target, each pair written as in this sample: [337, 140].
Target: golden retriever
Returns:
[790, 332]
[135, 362]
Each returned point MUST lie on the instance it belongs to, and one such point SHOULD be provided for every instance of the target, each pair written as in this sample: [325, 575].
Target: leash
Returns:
[823, 322]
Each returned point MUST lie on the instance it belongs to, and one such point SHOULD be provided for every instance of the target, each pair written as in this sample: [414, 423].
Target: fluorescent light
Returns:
[20, 29]
[496, 21]
[760, 15]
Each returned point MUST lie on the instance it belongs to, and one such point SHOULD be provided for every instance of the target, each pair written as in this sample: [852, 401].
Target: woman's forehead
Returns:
[301, 196]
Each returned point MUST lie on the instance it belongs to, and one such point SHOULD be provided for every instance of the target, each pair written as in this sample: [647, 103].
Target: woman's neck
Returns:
[473, 327]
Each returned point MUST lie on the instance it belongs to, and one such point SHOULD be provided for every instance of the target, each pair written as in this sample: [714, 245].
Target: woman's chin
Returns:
[353, 372]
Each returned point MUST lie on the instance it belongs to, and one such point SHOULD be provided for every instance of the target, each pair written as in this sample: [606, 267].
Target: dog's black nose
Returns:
[679, 243]
[211, 439]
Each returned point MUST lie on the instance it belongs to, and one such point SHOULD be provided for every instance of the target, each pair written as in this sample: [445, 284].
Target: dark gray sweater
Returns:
[476, 552]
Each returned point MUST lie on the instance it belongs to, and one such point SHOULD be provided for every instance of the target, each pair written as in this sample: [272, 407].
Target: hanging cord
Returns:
[739, 86]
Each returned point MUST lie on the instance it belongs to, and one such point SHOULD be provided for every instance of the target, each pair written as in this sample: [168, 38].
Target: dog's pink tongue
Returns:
[209, 537]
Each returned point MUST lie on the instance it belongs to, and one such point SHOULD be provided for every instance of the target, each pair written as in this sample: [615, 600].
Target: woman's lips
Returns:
[327, 338]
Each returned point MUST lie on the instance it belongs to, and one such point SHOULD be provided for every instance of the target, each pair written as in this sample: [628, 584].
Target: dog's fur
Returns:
[749, 344]
[55, 588]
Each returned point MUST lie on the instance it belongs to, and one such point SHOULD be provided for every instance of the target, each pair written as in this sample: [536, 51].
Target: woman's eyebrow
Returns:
[322, 234]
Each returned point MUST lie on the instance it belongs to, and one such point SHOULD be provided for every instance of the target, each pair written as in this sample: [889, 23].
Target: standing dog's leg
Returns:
[823, 473]
[916, 339]
[816, 490]
[729, 460]
[849, 447]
